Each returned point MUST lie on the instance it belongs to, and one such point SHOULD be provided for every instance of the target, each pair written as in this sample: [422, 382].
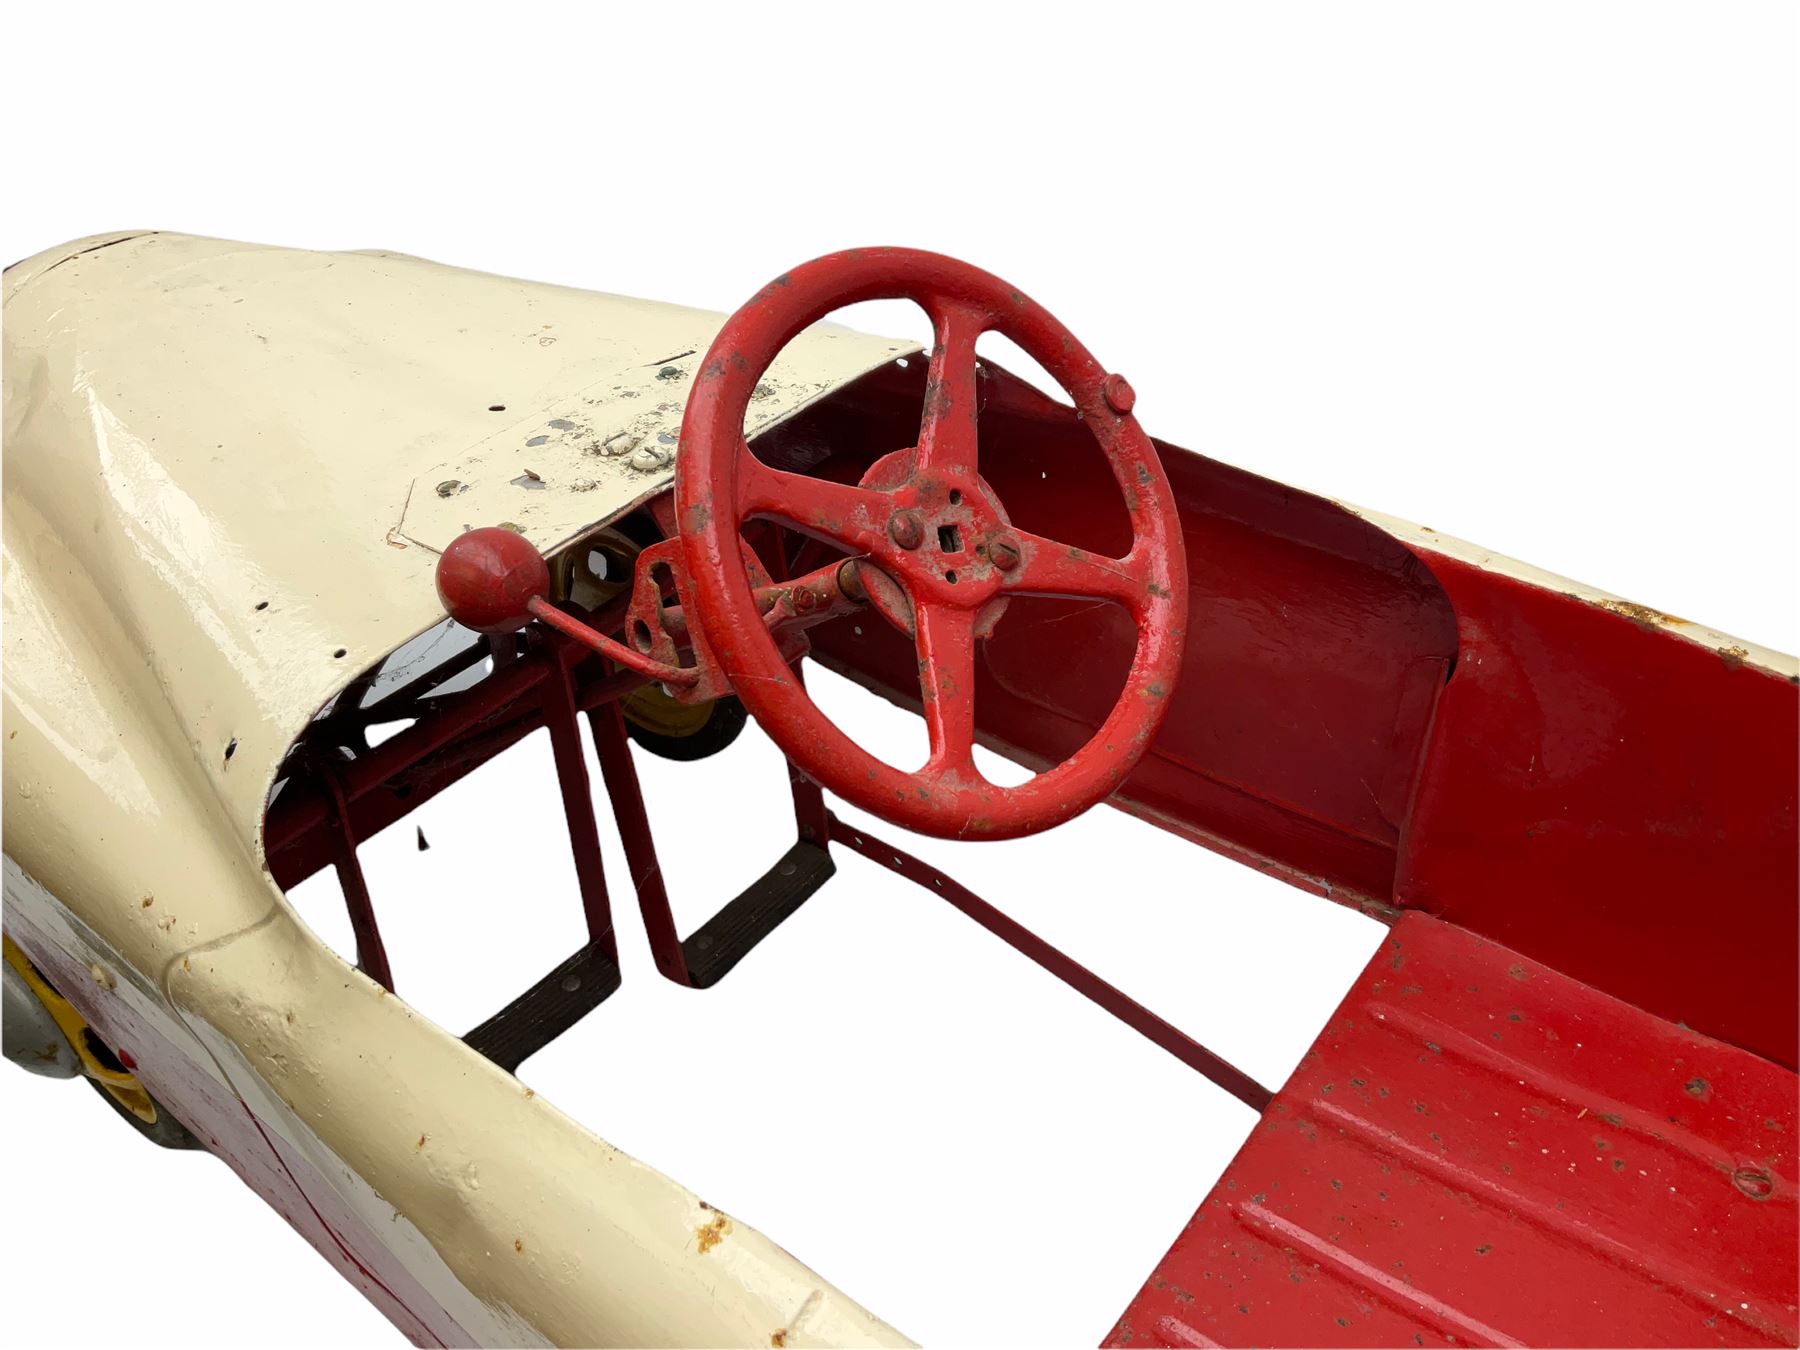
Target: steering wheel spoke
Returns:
[841, 513]
[1050, 567]
[947, 430]
[946, 645]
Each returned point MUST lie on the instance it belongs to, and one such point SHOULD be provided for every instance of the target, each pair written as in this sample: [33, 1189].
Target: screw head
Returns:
[804, 600]
[1120, 396]
[1004, 554]
[906, 529]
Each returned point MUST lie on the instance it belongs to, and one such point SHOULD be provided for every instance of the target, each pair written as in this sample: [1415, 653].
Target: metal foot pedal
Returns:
[547, 1009]
[726, 938]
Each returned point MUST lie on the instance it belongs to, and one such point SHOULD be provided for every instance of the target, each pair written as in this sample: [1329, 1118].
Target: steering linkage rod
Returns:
[493, 580]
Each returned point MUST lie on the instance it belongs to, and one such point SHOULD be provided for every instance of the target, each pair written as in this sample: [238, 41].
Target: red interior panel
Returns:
[1478, 1150]
[1318, 646]
[1618, 802]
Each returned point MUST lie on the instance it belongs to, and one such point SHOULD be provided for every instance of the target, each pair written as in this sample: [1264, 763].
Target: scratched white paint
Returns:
[209, 447]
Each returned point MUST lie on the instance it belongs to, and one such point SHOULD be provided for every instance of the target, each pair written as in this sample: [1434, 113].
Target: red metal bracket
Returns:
[706, 955]
[494, 581]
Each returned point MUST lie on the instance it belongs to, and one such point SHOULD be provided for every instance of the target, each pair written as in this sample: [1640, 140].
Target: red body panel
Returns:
[1492, 1144]
[1383, 725]
[1478, 1150]
[1619, 803]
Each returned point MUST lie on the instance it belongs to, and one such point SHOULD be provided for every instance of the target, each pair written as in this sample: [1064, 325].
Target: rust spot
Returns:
[710, 1235]
[1697, 1087]
[1733, 656]
[779, 1337]
[147, 901]
[420, 1144]
[518, 1244]
[530, 1092]
[1518, 972]
[1642, 615]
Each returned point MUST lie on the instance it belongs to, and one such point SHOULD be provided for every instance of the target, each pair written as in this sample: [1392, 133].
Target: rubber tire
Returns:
[722, 727]
[168, 1132]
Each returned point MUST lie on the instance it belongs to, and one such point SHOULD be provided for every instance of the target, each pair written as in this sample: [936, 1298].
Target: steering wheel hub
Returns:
[956, 532]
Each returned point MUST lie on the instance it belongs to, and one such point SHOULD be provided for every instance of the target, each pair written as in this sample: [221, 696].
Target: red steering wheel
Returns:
[938, 554]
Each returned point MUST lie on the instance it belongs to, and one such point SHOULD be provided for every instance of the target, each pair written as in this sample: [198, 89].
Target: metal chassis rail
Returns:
[550, 683]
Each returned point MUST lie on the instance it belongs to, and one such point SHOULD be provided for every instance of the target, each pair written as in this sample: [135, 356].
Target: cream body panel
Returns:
[215, 427]
[209, 451]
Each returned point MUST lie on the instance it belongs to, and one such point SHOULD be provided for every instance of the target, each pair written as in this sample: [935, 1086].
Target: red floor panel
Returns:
[1478, 1150]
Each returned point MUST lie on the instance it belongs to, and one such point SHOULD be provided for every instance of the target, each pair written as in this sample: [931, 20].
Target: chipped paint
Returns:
[260, 585]
[606, 446]
[711, 1233]
[1733, 651]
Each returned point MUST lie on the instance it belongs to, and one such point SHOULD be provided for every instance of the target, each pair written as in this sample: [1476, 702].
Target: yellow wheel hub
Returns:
[120, 1084]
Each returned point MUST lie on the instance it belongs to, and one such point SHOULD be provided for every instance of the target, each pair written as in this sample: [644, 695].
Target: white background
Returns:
[1522, 273]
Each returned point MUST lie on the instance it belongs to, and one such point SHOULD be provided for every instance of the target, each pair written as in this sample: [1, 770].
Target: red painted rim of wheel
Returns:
[719, 485]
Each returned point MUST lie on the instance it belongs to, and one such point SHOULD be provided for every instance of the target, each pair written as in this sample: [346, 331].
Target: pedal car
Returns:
[260, 503]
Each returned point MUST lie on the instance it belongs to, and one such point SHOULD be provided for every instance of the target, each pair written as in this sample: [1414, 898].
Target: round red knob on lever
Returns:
[488, 578]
